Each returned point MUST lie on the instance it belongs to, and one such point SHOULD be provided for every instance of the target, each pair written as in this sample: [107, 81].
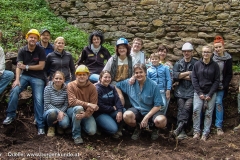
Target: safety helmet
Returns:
[82, 69]
[187, 46]
[33, 31]
[121, 41]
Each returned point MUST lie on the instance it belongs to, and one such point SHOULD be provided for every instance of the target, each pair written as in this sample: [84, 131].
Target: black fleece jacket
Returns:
[205, 77]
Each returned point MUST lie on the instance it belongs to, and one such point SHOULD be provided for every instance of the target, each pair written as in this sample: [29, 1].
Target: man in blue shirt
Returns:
[146, 100]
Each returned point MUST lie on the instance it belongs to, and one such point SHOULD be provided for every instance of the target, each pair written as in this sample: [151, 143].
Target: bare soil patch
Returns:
[20, 139]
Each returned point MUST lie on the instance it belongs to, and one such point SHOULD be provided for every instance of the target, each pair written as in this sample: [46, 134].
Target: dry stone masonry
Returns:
[170, 22]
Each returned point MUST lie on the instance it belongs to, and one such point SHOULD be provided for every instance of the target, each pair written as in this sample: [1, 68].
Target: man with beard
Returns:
[45, 37]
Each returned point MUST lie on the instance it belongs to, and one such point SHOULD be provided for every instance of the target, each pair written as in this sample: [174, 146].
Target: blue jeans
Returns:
[5, 79]
[219, 109]
[94, 78]
[165, 101]
[107, 122]
[51, 115]
[197, 110]
[88, 124]
[37, 86]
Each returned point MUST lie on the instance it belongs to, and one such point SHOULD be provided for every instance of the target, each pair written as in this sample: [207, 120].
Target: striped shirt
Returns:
[54, 99]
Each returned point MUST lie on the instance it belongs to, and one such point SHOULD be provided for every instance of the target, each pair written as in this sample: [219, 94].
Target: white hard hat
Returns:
[187, 46]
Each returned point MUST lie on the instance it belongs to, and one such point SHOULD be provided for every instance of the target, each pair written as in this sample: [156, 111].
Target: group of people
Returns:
[105, 93]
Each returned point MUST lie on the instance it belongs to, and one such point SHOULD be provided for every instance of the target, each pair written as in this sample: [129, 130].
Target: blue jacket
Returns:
[143, 100]
[161, 75]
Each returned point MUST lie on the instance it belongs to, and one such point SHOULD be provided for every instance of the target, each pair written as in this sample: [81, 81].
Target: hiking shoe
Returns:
[78, 140]
[204, 137]
[68, 131]
[220, 131]
[41, 131]
[60, 130]
[236, 128]
[116, 136]
[119, 133]
[8, 120]
[190, 133]
[154, 134]
[51, 132]
[196, 135]
[182, 135]
[136, 133]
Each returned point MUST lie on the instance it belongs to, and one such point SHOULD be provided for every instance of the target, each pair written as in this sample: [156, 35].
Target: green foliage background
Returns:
[18, 17]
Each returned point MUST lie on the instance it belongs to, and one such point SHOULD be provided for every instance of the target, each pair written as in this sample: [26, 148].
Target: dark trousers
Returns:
[185, 108]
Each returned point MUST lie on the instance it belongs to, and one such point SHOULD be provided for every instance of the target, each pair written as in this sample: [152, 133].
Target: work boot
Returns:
[178, 129]
[182, 135]
[136, 133]
[60, 130]
[51, 132]
[154, 134]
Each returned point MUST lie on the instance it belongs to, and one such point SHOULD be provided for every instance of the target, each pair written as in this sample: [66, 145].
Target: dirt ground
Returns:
[20, 141]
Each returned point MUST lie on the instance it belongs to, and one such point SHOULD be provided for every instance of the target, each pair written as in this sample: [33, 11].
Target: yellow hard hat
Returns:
[33, 31]
[82, 69]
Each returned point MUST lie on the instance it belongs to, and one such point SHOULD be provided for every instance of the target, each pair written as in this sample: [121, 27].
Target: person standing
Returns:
[120, 67]
[5, 75]
[205, 80]
[182, 70]
[224, 61]
[163, 51]
[45, 37]
[138, 56]
[161, 75]
[31, 60]
[94, 56]
[82, 100]
[60, 60]
[237, 128]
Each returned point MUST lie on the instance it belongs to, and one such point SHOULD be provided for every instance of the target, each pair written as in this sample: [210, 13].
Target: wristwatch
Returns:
[27, 67]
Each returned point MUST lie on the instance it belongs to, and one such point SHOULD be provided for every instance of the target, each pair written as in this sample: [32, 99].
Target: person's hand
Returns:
[119, 117]
[208, 98]
[202, 97]
[93, 106]
[21, 65]
[16, 83]
[81, 115]
[131, 80]
[168, 94]
[144, 122]
[60, 116]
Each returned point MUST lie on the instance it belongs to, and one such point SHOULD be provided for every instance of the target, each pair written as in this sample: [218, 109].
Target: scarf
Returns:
[95, 50]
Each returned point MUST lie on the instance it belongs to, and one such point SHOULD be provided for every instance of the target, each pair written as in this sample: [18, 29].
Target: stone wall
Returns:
[171, 22]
